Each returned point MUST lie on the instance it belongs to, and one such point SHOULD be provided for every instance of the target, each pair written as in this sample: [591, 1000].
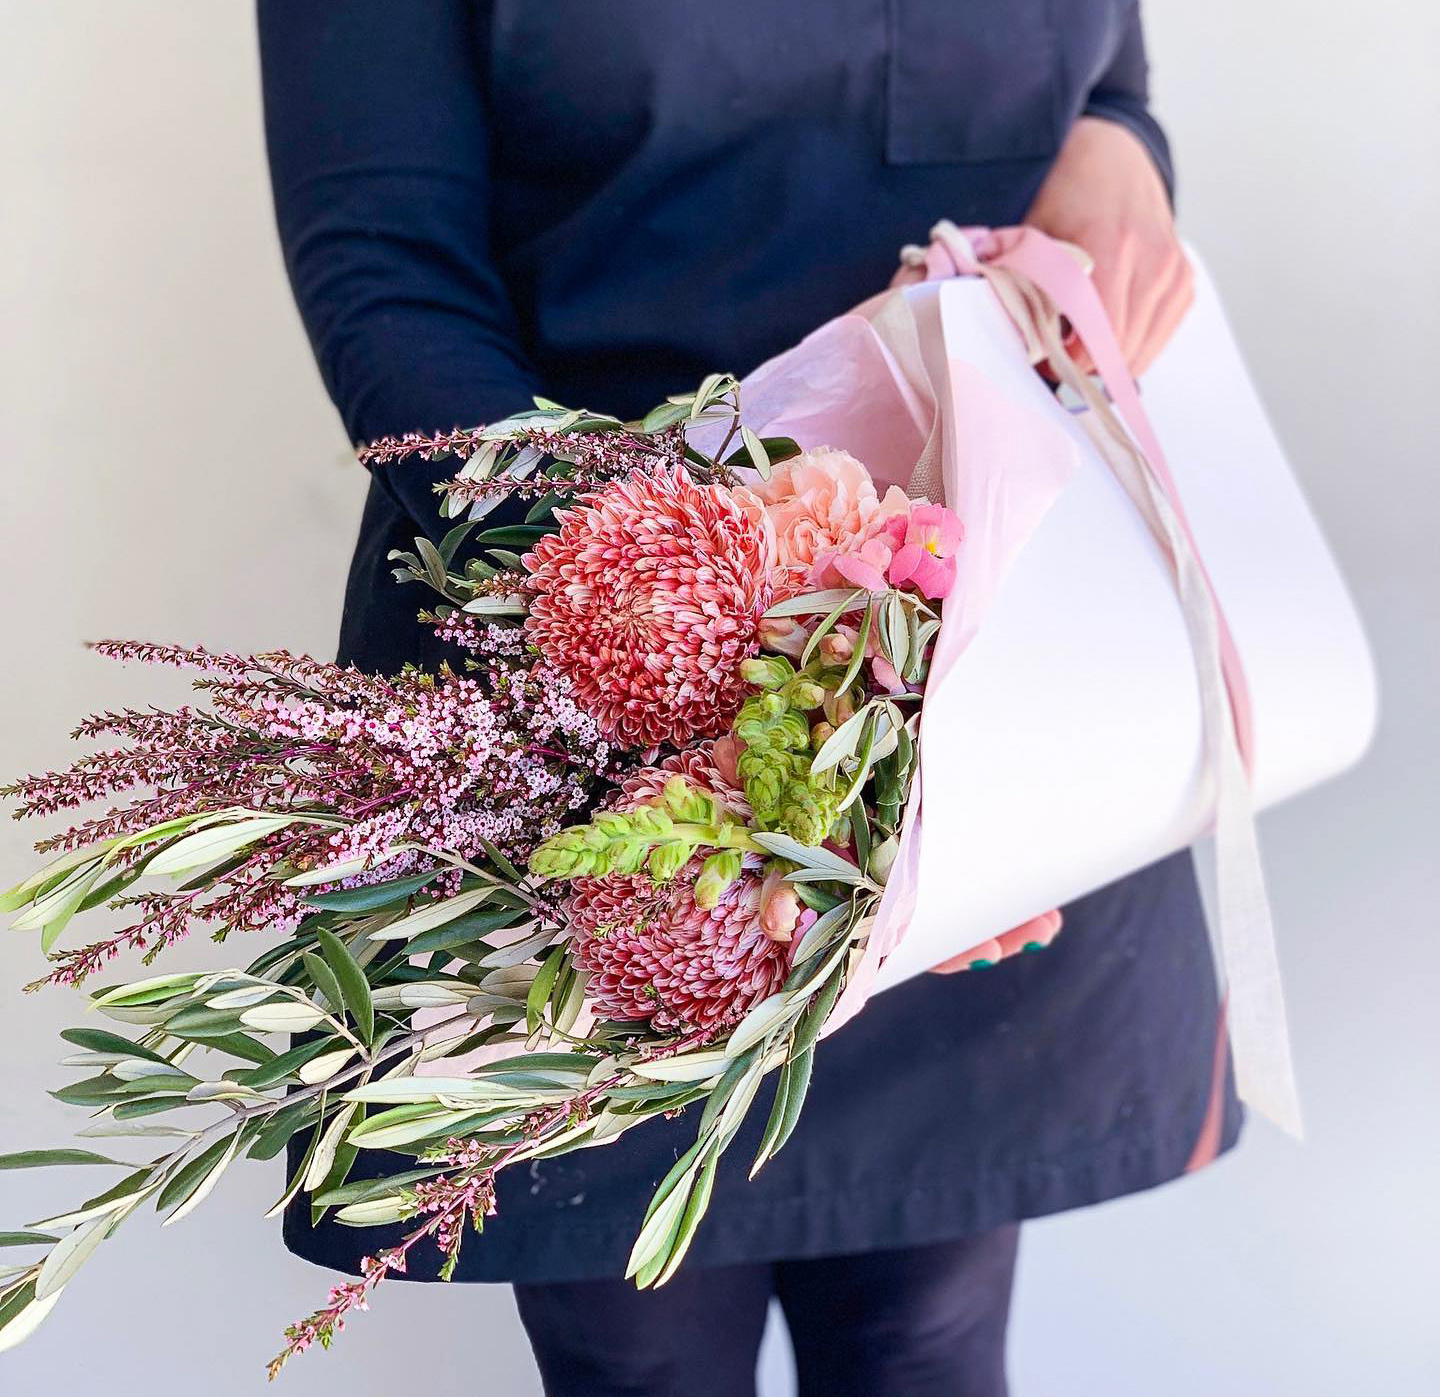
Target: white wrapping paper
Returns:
[1068, 749]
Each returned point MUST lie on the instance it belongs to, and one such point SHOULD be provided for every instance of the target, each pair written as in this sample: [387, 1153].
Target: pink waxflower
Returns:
[926, 559]
[821, 502]
[648, 598]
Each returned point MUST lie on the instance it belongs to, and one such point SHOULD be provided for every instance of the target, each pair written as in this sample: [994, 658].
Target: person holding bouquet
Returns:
[481, 202]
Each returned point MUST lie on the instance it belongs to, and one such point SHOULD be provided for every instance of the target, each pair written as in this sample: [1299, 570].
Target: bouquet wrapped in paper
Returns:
[655, 832]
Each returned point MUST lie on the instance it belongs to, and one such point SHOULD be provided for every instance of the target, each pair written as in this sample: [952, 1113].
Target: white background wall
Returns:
[171, 470]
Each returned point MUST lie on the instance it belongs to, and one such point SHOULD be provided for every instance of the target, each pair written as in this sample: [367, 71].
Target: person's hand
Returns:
[1105, 195]
[1037, 932]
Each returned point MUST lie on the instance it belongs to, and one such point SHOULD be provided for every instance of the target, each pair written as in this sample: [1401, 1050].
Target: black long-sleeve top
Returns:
[604, 202]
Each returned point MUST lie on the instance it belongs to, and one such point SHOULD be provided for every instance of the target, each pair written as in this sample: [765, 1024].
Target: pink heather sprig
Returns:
[608, 453]
[443, 762]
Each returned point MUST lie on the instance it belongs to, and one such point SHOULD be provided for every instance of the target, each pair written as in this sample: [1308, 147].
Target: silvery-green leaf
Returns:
[804, 988]
[808, 857]
[244, 997]
[703, 394]
[509, 980]
[323, 1160]
[755, 448]
[319, 1069]
[897, 633]
[655, 1236]
[22, 1314]
[285, 1017]
[214, 844]
[610, 1126]
[841, 743]
[494, 606]
[406, 1124]
[142, 992]
[203, 1189]
[91, 1060]
[424, 994]
[695, 1209]
[149, 1015]
[567, 1012]
[346, 868]
[52, 873]
[44, 1159]
[740, 1100]
[52, 913]
[68, 1255]
[130, 1191]
[684, 1067]
[374, 1212]
[478, 1006]
[432, 915]
[517, 952]
[223, 1091]
[353, 983]
[134, 1068]
[126, 1128]
[766, 1016]
[817, 603]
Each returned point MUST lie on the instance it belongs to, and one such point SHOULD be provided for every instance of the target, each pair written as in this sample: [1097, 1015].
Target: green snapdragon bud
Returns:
[765, 773]
[806, 695]
[805, 815]
[666, 860]
[685, 803]
[716, 874]
[767, 671]
[792, 732]
[564, 856]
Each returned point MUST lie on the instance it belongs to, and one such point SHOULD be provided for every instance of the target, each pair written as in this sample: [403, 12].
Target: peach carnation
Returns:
[647, 599]
[821, 502]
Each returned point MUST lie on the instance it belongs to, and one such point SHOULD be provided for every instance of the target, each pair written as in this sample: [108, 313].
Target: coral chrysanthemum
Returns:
[707, 766]
[652, 953]
[647, 599]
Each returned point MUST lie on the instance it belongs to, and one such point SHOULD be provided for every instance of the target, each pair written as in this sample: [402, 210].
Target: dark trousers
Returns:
[915, 1322]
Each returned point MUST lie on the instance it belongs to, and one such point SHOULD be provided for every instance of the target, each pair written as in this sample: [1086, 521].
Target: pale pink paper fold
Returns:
[877, 382]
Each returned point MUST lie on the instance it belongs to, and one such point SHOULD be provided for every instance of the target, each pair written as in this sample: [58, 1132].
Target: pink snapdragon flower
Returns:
[916, 549]
[926, 558]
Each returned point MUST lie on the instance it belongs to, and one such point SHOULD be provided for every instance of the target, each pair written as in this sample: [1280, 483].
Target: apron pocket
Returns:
[971, 80]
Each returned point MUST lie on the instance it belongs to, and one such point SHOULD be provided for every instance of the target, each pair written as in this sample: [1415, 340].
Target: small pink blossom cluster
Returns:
[444, 762]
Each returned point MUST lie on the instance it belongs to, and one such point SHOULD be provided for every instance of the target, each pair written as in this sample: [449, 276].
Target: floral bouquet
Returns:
[619, 860]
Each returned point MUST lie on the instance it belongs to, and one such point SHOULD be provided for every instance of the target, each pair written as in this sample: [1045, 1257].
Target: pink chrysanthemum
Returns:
[653, 954]
[708, 766]
[647, 599]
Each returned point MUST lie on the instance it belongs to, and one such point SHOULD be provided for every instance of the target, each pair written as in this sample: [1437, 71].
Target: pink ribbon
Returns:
[1061, 272]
